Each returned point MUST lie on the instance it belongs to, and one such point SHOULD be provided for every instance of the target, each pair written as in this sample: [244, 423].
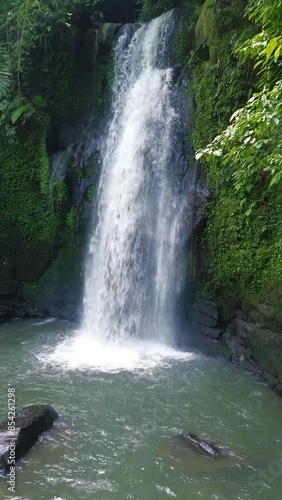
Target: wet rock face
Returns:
[236, 339]
[107, 33]
[203, 321]
[250, 337]
[266, 346]
[10, 311]
[257, 349]
[204, 312]
[19, 434]
[6, 313]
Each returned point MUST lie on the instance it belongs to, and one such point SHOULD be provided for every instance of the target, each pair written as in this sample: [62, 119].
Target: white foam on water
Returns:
[45, 322]
[85, 352]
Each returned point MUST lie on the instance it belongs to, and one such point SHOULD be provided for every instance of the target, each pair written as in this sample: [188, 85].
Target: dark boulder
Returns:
[6, 313]
[266, 346]
[206, 331]
[195, 443]
[203, 317]
[22, 431]
[206, 312]
[10, 310]
[257, 349]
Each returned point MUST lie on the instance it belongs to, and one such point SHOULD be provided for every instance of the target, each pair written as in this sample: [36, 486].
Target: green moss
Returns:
[33, 214]
[266, 308]
[38, 219]
[206, 29]
[90, 193]
[91, 170]
[241, 256]
[223, 350]
[25, 202]
[29, 290]
[71, 226]
[185, 39]
[59, 191]
[105, 76]
[75, 167]
[266, 348]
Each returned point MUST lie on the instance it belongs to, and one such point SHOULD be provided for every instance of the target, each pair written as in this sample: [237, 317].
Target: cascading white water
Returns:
[135, 269]
[132, 273]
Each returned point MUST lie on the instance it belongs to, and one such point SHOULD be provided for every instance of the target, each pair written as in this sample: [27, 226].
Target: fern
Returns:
[5, 69]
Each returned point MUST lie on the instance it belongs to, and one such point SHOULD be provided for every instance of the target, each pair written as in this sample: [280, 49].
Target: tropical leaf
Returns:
[5, 69]
[24, 112]
[39, 101]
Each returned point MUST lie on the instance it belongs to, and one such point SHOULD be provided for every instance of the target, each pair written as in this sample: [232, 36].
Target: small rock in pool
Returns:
[205, 447]
[19, 434]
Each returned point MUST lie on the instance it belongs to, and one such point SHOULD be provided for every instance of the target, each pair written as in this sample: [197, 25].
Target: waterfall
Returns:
[135, 268]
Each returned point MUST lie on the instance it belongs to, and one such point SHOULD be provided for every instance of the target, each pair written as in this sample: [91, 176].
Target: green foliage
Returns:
[71, 226]
[221, 84]
[243, 253]
[185, 39]
[23, 207]
[25, 111]
[5, 69]
[38, 100]
[36, 55]
[28, 23]
[71, 218]
[91, 169]
[105, 76]
[243, 168]
[59, 192]
[248, 153]
[38, 62]
[90, 194]
[153, 8]
[266, 46]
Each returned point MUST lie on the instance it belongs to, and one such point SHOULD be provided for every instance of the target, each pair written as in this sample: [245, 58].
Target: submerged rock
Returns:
[205, 447]
[21, 431]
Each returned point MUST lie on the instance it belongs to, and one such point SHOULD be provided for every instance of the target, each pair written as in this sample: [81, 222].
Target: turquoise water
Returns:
[115, 439]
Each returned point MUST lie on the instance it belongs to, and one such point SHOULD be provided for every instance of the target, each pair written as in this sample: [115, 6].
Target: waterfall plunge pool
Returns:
[119, 415]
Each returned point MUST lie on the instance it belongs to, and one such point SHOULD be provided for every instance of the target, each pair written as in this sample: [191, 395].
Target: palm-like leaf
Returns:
[5, 69]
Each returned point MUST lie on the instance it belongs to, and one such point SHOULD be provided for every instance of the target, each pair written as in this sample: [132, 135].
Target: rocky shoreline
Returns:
[13, 311]
[242, 335]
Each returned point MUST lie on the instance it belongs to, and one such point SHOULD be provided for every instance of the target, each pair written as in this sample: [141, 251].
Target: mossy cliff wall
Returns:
[239, 264]
[241, 254]
[49, 169]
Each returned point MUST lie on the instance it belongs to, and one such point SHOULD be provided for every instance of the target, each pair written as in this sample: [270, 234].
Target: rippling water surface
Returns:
[119, 415]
